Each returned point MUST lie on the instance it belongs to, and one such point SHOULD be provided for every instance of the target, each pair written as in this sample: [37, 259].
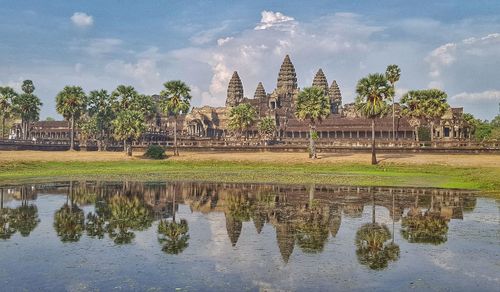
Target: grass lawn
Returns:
[481, 172]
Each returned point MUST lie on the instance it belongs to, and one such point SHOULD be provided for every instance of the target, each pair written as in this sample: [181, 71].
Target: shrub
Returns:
[155, 152]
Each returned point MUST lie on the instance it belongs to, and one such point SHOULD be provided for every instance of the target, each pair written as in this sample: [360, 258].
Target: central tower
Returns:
[287, 78]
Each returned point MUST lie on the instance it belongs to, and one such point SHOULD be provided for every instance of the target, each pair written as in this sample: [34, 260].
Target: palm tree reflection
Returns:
[372, 246]
[172, 235]
[69, 219]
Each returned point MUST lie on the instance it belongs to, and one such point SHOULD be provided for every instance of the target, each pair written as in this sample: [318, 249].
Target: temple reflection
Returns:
[304, 218]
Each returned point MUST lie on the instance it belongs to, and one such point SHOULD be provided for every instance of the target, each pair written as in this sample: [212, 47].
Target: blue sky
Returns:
[452, 45]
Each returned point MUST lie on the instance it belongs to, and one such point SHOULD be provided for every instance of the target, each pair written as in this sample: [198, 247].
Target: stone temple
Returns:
[210, 123]
[343, 123]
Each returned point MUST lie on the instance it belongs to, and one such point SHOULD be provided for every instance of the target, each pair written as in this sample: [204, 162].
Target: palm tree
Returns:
[27, 107]
[435, 106]
[69, 220]
[100, 108]
[176, 99]
[413, 109]
[267, 128]
[312, 105]
[7, 95]
[427, 104]
[174, 236]
[125, 216]
[129, 126]
[393, 73]
[241, 117]
[373, 91]
[25, 218]
[71, 103]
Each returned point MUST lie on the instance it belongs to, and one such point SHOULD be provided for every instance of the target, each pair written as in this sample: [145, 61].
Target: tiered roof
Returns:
[260, 92]
[234, 90]
[287, 78]
[334, 93]
[320, 81]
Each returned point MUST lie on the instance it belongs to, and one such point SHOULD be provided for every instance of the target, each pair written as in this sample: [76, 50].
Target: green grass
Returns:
[485, 179]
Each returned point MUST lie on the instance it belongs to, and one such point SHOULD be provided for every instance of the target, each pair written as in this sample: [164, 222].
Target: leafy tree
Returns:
[312, 105]
[241, 117]
[28, 87]
[71, 103]
[123, 97]
[69, 223]
[426, 104]
[413, 109]
[373, 248]
[426, 228]
[495, 123]
[373, 92]
[27, 107]
[267, 128]
[49, 119]
[88, 128]
[393, 73]
[125, 216]
[100, 111]
[25, 219]
[435, 106]
[7, 95]
[176, 99]
[174, 236]
[128, 127]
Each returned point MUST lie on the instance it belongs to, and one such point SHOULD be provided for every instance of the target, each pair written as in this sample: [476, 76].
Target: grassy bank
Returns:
[345, 173]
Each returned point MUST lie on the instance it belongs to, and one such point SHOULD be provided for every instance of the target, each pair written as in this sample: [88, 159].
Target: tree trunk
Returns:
[416, 134]
[3, 126]
[312, 142]
[72, 133]
[393, 122]
[312, 189]
[374, 156]
[129, 148]
[176, 152]
[373, 208]
[432, 131]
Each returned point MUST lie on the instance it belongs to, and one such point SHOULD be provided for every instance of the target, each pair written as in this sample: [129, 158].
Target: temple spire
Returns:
[335, 98]
[320, 81]
[234, 90]
[287, 78]
[260, 92]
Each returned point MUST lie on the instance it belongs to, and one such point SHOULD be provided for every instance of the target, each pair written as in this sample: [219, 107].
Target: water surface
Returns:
[199, 236]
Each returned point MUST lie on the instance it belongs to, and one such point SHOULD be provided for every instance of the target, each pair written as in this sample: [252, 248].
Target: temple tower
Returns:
[335, 98]
[320, 81]
[260, 92]
[287, 78]
[234, 91]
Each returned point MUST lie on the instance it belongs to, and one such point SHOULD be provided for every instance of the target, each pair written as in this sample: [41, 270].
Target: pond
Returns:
[88, 235]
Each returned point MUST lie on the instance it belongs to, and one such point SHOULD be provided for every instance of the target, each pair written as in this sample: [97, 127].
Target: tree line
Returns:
[122, 114]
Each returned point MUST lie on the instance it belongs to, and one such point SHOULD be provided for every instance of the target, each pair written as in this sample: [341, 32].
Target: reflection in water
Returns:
[302, 217]
[23, 219]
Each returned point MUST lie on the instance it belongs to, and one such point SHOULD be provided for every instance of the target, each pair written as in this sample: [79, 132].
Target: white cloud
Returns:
[467, 51]
[275, 20]
[489, 95]
[82, 19]
[222, 41]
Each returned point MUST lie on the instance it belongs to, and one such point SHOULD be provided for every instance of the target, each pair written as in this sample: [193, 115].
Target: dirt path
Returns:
[464, 160]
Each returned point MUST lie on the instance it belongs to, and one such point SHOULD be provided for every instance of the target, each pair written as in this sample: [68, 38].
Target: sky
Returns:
[451, 45]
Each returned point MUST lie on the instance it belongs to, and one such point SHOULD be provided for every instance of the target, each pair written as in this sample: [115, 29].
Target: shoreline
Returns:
[466, 172]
